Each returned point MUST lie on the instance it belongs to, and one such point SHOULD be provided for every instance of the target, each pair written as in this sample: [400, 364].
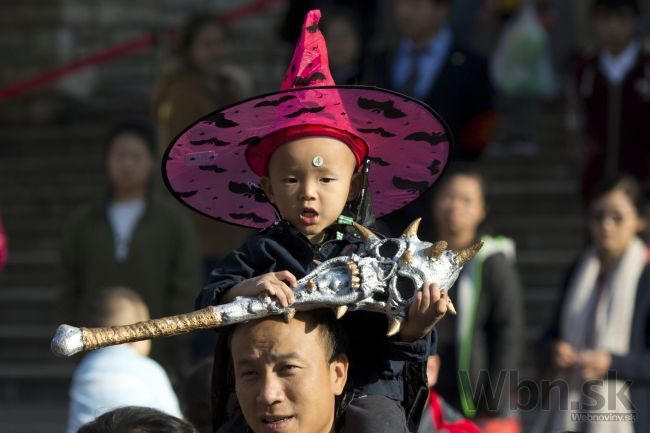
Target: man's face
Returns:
[615, 28]
[129, 163]
[284, 380]
[420, 19]
[309, 181]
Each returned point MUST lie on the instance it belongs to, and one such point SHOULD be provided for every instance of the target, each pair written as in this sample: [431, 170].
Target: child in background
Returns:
[118, 375]
[305, 151]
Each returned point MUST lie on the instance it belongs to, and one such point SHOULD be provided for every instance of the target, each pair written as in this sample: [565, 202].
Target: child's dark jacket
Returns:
[376, 361]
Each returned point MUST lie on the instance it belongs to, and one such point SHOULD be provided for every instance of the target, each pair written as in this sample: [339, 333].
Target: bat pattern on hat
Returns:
[274, 102]
[213, 141]
[432, 139]
[219, 120]
[307, 81]
[387, 108]
[304, 110]
[377, 160]
[249, 216]
[248, 191]
[186, 194]
[379, 131]
[410, 185]
[214, 168]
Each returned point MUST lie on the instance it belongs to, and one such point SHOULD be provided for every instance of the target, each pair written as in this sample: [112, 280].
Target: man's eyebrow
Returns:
[275, 358]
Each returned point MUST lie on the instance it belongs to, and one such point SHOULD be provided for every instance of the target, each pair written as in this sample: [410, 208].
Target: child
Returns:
[118, 375]
[306, 147]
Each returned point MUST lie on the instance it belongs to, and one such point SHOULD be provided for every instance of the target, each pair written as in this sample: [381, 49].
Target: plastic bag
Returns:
[522, 63]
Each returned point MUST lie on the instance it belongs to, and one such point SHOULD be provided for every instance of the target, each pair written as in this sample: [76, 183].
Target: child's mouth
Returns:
[308, 216]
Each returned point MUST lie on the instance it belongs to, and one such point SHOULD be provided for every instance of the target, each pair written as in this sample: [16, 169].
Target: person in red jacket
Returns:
[438, 416]
[3, 246]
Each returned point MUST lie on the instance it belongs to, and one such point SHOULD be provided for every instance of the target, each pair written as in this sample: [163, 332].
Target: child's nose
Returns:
[308, 191]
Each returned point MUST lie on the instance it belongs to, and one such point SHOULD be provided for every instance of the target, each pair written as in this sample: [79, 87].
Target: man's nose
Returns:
[271, 391]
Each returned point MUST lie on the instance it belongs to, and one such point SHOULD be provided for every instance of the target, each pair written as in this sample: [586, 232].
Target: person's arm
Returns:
[635, 365]
[186, 267]
[506, 324]
[248, 271]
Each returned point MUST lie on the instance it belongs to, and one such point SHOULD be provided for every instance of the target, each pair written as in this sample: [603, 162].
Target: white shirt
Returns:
[616, 67]
[118, 376]
[123, 218]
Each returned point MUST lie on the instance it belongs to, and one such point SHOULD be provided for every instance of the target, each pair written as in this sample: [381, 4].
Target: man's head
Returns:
[615, 22]
[135, 419]
[288, 375]
[420, 20]
[117, 306]
[310, 179]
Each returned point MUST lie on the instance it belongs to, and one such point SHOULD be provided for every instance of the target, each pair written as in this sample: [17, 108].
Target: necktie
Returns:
[413, 77]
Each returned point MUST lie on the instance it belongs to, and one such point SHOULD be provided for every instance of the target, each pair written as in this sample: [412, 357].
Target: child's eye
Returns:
[327, 179]
[290, 180]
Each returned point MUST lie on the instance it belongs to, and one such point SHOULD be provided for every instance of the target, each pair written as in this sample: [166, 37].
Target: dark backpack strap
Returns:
[415, 393]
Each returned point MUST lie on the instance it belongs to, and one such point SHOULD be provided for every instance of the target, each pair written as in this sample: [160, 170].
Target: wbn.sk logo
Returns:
[489, 392]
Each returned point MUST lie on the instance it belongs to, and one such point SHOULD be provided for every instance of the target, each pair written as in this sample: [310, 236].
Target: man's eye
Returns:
[289, 368]
[248, 373]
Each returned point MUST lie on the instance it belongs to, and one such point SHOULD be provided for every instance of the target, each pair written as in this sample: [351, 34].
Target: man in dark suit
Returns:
[428, 64]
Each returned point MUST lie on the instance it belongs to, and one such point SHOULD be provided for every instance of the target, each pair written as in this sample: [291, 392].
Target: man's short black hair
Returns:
[330, 329]
[136, 419]
[600, 6]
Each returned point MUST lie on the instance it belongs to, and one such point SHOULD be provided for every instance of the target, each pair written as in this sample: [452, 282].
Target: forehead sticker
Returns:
[317, 161]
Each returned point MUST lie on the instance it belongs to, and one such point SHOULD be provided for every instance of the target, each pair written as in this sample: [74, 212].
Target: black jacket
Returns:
[376, 362]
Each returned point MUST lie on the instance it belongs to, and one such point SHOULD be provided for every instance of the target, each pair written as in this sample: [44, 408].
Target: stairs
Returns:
[46, 171]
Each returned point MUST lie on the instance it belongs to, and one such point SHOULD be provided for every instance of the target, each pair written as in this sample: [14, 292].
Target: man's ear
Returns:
[339, 373]
[356, 183]
[265, 184]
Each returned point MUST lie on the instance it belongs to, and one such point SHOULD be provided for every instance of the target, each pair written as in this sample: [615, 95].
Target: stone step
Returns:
[38, 416]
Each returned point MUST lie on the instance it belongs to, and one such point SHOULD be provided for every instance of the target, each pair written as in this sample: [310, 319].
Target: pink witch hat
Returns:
[214, 165]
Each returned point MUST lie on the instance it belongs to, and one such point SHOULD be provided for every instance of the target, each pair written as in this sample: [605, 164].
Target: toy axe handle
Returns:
[69, 340]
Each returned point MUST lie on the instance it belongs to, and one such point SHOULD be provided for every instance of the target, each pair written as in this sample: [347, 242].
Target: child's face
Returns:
[459, 205]
[310, 181]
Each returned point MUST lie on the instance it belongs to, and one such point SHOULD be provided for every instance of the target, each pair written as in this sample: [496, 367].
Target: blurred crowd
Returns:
[487, 67]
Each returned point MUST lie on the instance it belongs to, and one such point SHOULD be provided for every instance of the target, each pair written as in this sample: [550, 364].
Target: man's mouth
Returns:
[276, 422]
[309, 215]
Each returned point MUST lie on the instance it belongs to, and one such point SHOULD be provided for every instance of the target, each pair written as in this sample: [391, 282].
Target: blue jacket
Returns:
[376, 361]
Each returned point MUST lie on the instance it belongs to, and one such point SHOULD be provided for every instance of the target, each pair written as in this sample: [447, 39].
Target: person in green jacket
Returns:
[481, 346]
[131, 237]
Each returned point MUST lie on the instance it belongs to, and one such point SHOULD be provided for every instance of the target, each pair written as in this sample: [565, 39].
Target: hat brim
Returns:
[205, 166]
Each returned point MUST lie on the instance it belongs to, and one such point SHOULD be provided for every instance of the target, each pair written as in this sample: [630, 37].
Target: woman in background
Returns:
[131, 237]
[602, 329]
[484, 340]
[199, 80]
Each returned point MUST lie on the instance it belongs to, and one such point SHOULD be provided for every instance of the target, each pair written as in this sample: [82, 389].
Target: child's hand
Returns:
[427, 308]
[278, 284]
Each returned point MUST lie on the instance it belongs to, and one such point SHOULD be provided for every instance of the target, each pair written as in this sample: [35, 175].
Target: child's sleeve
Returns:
[414, 351]
[234, 268]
